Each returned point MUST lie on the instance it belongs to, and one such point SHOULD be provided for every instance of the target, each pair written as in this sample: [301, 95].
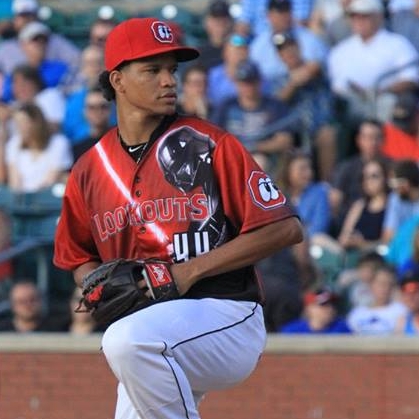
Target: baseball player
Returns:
[179, 189]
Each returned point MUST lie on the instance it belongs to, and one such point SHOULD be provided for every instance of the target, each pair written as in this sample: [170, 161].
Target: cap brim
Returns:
[186, 53]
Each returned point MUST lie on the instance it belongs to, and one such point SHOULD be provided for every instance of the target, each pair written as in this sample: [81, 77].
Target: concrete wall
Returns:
[62, 377]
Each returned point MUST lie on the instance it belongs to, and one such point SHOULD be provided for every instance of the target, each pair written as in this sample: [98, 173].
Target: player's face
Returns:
[148, 85]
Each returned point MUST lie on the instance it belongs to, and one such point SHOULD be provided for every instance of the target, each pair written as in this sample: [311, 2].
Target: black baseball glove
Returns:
[112, 290]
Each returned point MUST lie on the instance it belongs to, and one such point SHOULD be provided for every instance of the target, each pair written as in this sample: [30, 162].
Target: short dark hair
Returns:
[29, 73]
[370, 121]
[371, 257]
[106, 87]
[279, 5]
[407, 169]
[191, 68]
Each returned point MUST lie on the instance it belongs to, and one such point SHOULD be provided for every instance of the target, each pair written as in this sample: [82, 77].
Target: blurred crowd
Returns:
[323, 93]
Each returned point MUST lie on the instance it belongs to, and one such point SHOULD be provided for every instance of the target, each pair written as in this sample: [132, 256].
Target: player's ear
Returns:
[116, 80]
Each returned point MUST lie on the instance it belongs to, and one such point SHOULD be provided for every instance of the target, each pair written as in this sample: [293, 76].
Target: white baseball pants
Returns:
[167, 356]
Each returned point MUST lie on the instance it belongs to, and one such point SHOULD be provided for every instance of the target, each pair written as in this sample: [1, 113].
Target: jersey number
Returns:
[187, 246]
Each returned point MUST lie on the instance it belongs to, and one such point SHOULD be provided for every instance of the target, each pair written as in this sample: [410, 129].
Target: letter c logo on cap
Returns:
[162, 32]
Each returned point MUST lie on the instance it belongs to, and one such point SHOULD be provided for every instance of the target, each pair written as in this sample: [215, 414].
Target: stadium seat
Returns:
[55, 19]
[328, 263]
[33, 218]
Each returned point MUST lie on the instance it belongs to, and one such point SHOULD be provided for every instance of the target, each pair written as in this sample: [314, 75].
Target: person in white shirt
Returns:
[381, 316]
[371, 67]
[35, 158]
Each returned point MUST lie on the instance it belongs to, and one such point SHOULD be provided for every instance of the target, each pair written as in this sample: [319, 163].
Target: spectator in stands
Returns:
[75, 125]
[400, 249]
[309, 197]
[26, 310]
[221, 77]
[99, 31]
[381, 316]
[92, 64]
[97, 112]
[35, 159]
[58, 47]
[403, 203]
[354, 284]
[364, 70]
[306, 91]
[362, 228]
[218, 24]
[408, 324]
[33, 39]
[320, 315]
[402, 131]
[193, 92]
[253, 117]
[253, 19]
[81, 322]
[346, 185]
[411, 263]
[404, 20]
[262, 49]
[28, 86]
[330, 21]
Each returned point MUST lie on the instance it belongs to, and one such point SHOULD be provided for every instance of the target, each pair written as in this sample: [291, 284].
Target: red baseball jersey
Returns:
[195, 188]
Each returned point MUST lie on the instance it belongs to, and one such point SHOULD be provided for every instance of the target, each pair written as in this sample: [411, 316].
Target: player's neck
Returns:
[137, 130]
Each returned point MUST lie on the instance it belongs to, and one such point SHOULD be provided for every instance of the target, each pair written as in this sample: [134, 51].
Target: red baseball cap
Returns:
[143, 37]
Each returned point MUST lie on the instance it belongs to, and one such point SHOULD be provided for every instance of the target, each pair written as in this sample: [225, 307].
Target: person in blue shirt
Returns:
[263, 51]
[33, 40]
[263, 124]
[309, 197]
[320, 315]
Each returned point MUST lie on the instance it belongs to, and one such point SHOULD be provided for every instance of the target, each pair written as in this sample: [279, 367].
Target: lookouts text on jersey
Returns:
[169, 206]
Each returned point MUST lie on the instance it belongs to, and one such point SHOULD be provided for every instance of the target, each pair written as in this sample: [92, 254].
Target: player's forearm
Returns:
[80, 272]
[244, 250]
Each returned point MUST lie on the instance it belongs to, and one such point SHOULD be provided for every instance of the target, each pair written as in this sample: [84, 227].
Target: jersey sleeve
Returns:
[74, 244]
[250, 197]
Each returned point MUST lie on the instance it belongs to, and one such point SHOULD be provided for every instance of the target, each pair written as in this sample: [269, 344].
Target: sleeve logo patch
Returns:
[264, 192]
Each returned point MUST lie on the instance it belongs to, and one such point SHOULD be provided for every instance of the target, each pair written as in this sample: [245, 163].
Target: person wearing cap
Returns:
[402, 130]
[263, 51]
[364, 70]
[33, 39]
[221, 77]
[177, 188]
[306, 91]
[320, 315]
[58, 48]
[218, 24]
[254, 118]
[408, 324]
